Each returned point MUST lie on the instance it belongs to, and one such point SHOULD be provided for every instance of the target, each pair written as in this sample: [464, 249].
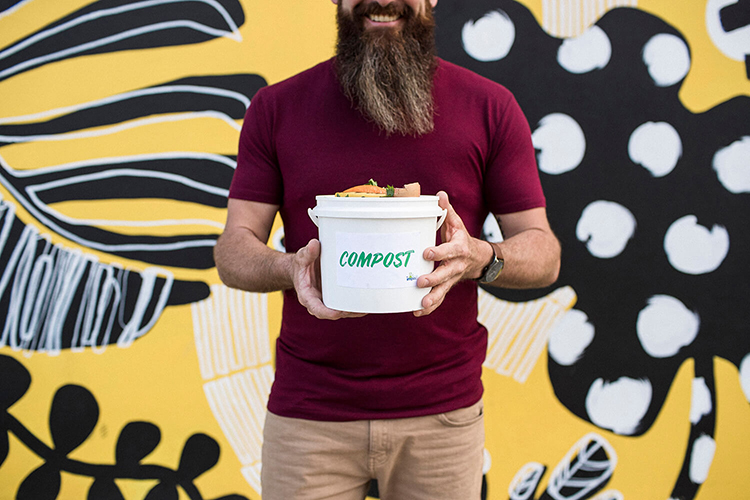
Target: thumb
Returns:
[452, 219]
[310, 252]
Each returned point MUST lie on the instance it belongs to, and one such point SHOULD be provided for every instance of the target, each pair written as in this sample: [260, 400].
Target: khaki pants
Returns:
[437, 457]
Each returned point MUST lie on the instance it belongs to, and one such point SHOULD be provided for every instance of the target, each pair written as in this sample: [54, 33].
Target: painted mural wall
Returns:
[127, 370]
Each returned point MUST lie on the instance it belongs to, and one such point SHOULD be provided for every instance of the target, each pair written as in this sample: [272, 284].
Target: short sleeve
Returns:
[257, 176]
[511, 177]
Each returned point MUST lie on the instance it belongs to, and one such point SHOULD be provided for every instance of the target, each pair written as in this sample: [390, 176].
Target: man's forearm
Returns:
[532, 260]
[244, 262]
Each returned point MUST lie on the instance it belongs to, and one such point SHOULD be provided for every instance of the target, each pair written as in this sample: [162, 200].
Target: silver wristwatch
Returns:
[492, 270]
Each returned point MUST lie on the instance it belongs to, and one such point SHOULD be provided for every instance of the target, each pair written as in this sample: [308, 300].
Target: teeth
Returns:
[383, 19]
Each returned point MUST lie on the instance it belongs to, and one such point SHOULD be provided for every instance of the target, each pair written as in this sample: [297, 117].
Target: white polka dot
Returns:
[733, 43]
[732, 166]
[606, 227]
[490, 38]
[700, 402]
[560, 142]
[692, 248]
[745, 376]
[491, 229]
[277, 239]
[655, 146]
[665, 325]
[570, 336]
[701, 459]
[667, 58]
[620, 405]
[586, 52]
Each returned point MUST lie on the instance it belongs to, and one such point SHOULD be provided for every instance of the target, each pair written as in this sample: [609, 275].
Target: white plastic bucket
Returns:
[371, 251]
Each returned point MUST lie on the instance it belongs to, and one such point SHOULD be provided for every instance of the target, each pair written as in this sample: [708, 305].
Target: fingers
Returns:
[307, 284]
[433, 300]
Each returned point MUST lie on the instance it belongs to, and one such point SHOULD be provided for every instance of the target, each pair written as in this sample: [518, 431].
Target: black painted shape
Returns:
[142, 180]
[156, 100]
[96, 26]
[104, 489]
[735, 16]
[16, 380]
[130, 283]
[200, 453]
[43, 483]
[609, 104]
[73, 415]
[154, 178]
[7, 4]
[136, 441]
[72, 418]
[188, 292]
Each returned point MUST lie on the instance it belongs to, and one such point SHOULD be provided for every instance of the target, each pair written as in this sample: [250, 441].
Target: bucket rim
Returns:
[375, 199]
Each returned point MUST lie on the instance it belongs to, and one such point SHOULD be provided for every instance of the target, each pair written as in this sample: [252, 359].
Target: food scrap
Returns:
[371, 189]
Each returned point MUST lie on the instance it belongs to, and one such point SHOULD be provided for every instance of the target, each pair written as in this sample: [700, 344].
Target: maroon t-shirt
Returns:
[301, 138]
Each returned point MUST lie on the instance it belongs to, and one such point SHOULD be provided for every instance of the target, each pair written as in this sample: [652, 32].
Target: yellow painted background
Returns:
[157, 379]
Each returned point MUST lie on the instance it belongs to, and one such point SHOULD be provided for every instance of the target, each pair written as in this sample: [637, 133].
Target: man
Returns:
[392, 397]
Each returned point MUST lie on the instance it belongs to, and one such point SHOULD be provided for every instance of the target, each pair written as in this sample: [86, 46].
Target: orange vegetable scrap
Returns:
[371, 189]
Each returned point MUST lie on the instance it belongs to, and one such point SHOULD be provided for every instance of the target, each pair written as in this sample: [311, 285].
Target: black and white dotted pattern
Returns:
[650, 202]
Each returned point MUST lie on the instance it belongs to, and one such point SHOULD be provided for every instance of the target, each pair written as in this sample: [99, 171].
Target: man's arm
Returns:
[244, 261]
[242, 257]
[530, 250]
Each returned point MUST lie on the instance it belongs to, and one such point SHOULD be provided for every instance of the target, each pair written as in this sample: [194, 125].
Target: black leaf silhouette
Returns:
[232, 497]
[4, 445]
[201, 452]
[16, 381]
[105, 489]
[137, 439]
[163, 491]
[73, 415]
[42, 484]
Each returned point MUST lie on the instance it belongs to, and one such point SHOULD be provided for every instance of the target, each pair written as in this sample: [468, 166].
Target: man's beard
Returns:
[387, 73]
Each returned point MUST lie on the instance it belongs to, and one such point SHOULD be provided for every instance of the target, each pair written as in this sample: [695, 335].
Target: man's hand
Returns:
[461, 256]
[306, 279]
[244, 261]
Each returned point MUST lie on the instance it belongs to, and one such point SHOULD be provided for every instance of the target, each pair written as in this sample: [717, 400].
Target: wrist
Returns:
[494, 267]
[485, 257]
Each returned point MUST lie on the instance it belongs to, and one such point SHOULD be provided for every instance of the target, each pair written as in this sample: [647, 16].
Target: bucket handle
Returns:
[441, 219]
[312, 215]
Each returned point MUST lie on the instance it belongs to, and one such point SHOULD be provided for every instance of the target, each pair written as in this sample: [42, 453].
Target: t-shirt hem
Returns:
[349, 416]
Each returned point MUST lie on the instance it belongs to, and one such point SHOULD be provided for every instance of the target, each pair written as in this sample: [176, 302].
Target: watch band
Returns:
[487, 267]
[493, 269]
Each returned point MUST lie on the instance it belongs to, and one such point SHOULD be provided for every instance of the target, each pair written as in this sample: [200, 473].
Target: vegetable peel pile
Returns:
[372, 190]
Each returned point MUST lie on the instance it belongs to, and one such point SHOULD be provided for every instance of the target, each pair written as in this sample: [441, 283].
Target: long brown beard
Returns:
[387, 73]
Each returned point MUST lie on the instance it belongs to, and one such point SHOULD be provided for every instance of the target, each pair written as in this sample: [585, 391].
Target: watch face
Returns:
[493, 271]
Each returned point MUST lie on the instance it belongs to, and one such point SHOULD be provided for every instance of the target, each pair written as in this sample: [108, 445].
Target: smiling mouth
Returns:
[381, 18]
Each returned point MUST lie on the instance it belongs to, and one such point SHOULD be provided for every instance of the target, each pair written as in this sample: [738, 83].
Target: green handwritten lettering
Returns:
[364, 260]
[408, 254]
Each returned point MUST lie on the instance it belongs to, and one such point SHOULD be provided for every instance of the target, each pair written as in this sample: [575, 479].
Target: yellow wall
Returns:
[167, 377]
